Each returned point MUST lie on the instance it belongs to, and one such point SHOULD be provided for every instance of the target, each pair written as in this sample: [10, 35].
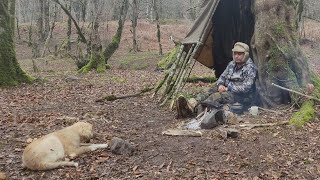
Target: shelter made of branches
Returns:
[209, 42]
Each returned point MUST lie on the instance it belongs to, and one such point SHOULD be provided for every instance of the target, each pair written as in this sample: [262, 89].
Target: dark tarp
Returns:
[201, 33]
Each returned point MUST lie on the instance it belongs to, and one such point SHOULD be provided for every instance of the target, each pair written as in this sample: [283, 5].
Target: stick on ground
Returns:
[113, 97]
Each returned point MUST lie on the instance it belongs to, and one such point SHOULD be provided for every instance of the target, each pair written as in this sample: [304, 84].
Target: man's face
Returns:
[238, 57]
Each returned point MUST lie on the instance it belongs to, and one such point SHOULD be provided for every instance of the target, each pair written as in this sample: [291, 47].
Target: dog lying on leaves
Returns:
[49, 151]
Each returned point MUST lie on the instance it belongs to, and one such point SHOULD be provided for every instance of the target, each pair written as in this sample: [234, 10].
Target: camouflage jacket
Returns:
[239, 80]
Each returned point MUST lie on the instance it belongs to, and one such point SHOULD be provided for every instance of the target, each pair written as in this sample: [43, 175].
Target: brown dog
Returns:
[49, 151]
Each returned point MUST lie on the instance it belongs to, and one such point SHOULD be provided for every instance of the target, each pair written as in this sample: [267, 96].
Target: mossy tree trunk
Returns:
[10, 71]
[113, 46]
[96, 60]
[276, 50]
[94, 55]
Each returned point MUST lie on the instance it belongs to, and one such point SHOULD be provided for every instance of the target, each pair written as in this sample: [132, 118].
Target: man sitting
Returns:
[235, 85]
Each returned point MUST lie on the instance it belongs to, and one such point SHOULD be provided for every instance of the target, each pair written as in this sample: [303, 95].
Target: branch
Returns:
[83, 39]
[251, 126]
[293, 91]
[312, 18]
[113, 97]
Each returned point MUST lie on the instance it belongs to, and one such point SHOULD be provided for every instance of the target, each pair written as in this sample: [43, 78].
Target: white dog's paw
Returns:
[98, 146]
[102, 145]
[93, 147]
[75, 164]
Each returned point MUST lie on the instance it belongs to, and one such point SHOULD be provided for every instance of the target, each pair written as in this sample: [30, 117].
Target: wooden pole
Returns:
[172, 71]
[179, 77]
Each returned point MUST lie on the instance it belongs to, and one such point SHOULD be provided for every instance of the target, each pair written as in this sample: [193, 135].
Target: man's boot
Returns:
[185, 109]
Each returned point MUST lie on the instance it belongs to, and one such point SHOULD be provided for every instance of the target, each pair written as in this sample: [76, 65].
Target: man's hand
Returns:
[222, 88]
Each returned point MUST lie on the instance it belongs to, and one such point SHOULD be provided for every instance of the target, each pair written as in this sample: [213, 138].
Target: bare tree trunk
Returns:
[134, 21]
[40, 21]
[154, 2]
[81, 35]
[84, 10]
[69, 28]
[18, 18]
[276, 50]
[49, 35]
[46, 15]
[10, 71]
[18, 30]
[30, 41]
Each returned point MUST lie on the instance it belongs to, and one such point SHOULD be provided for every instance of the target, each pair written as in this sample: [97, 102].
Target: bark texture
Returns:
[276, 50]
[10, 71]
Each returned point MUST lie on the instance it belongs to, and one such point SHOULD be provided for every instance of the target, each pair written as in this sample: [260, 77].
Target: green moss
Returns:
[277, 63]
[168, 59]
[140, 66]
[110, 98]
[85, 69]
[101, 67]
[316, 82]
[11, 72]
[113, 46]
[187, 95]
[135, 61]
[279, 29]
[206, 79]
[115, 40]
[304, 115]
[108, 66]
[96, 62]
[118, 79]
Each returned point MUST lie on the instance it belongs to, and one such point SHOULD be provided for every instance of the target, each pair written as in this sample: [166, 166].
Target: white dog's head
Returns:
[85, 131]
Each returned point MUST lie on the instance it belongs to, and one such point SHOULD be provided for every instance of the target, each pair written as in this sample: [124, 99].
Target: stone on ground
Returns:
[121, 147]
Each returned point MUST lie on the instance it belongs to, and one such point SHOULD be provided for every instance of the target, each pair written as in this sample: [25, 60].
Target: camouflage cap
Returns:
[240, 47]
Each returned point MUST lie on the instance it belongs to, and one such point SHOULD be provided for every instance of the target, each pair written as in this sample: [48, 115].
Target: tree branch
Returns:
[293, 91]
[83, 39]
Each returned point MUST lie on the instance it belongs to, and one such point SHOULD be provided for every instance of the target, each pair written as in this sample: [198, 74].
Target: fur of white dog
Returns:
[50, 151]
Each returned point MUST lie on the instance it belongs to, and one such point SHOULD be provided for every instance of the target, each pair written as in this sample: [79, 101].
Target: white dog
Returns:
[49, 151]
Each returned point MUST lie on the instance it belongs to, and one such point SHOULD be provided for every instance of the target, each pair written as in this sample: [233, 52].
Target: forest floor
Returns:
[61, 96]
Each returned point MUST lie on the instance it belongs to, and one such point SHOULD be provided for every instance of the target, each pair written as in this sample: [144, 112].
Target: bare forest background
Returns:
[138, 34]
[38, 17]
